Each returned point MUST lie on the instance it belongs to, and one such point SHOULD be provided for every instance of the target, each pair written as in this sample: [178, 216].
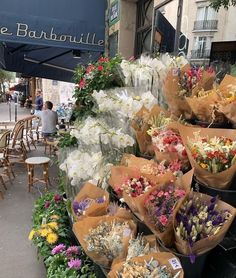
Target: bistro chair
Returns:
[4, 162]
[28, 133]
[17, 147]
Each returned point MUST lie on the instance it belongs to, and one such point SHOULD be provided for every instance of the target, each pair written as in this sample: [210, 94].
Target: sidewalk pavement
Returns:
[5, 109]
[18, 258]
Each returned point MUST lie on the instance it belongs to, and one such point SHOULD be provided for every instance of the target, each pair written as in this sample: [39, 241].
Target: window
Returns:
[206, 13]
[200, 43]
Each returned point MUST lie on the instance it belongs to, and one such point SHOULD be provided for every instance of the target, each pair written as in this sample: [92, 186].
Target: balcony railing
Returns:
[205, 25]
[200, 54]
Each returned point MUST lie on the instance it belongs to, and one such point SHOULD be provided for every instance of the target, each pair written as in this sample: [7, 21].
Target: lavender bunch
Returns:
[199, 218]
[80, 207]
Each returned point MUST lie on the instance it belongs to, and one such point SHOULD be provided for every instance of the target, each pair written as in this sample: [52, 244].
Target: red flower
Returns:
[90, 68]
[82, 83]
[47, 204]
[103, 60]
[57, 198]
[100, 68]
[164, 220]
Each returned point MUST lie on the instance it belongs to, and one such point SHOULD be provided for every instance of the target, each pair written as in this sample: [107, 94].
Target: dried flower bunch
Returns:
[160, 205]
[139, 246]
[198, 218]
[189, 80]
[158, 122]
[79, 208]
[135, 186]
[213, 154]
[107, 239]
[150, 269]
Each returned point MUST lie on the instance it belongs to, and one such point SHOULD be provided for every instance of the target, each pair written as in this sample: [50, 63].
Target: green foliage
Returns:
[46, 206]
[67, 140]
[6, 76]
[98, 76]
[216, 4]
[58, 266]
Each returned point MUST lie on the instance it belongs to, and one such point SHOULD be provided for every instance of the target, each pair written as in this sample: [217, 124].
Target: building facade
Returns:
[141, 26]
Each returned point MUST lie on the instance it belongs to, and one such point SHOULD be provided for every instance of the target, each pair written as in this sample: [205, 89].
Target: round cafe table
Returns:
[40, 161]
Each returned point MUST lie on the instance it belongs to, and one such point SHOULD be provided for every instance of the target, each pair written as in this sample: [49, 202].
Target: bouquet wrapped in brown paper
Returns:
[177, 104]
[140, 127]
[200, 223]
[90, 201]
[119, 174]
[184, 83]
[168, 145]
[152, 265]
[105, 238]
[141, 246]
[141, 124]
[211, 153]
[205, 106]
[156, 207]
[228, 104]
[150, 167]
[130, 184]
[205, 82]
[135, 188]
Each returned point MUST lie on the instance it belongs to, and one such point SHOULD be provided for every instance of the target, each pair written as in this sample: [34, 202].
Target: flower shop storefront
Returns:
[147, 174]
[49, 39]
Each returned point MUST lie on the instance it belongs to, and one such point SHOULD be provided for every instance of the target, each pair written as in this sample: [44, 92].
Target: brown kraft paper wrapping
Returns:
[219, 180]
[177, 105]
[204, 108]
[227, 84]
[206, 82]
[228, 109]
[91, 191]
[163, 258]
[143, 139]
[133, 202]
[171, 156]
[184, 182]
[81, 230]
[204, 245]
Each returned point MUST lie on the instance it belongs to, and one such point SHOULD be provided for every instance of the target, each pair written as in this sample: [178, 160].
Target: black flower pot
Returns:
[213, 125]
[142, 227]
[191, 270]
[226, 195]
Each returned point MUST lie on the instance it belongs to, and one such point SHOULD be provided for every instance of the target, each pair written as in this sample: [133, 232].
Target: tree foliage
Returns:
[216, 4]
[5, 76]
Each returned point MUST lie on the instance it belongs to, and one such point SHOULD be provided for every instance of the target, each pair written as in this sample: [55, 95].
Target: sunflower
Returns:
[44, 232]
[52, 238]
[53, 225]
[31, 234]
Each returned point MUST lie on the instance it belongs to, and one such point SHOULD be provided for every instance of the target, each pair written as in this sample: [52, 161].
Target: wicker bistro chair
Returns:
[36, 129]
[17, 150]
[16, 126]
[4, 162]
[28, 133]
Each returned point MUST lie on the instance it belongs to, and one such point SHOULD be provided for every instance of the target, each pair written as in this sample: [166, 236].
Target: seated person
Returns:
[49, 120]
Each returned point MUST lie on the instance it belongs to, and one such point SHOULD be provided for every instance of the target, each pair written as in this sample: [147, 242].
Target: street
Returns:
[6, 108]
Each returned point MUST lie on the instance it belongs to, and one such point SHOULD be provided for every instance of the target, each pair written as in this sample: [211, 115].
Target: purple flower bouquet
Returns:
[90, 201]
[200, 223]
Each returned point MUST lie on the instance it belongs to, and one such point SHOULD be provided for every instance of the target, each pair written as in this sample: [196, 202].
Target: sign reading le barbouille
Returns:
[23, 30]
